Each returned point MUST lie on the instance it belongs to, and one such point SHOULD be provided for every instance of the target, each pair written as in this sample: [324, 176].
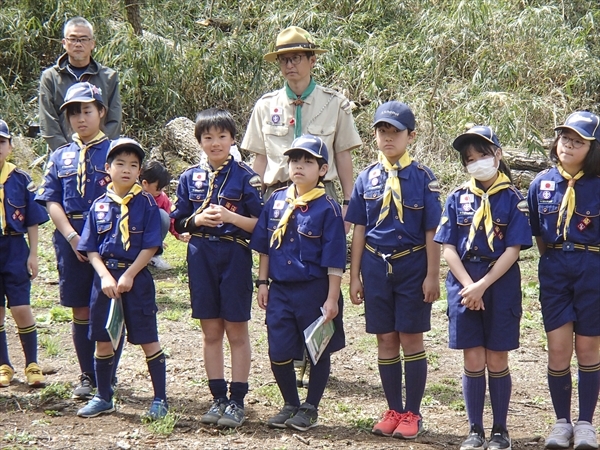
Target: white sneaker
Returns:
[160, 263]
[561, 435]
[585, 436]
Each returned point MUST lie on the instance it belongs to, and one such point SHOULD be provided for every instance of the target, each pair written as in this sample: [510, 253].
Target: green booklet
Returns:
[115, 321]
[317, 335]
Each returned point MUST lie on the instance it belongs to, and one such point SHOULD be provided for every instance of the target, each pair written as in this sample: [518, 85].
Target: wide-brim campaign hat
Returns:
[310, 144]
[126, 143]
[293, 39]
[482, 131]
[584, 123]
[4, 131]
[83, 93]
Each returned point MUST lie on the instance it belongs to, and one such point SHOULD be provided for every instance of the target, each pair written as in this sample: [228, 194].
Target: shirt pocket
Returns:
[103, 227]
[309, 235]
[325, 132]
[68, 178]
[231, 197]
[586, 223]
[548, 214]
[373, 202]
[276, 138]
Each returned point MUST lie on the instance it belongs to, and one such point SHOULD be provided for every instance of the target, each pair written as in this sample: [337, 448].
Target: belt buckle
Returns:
[112, 264]
[475, 258]
[568, 246]
[213, 238]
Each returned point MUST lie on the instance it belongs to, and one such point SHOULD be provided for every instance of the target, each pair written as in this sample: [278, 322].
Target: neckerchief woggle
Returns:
[299, 101]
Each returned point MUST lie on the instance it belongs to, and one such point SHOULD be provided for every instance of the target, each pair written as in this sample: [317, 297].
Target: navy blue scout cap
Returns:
[311, 144]
[584, 123]
[397, 114]
[4, 131]
[126, 143]
[83, 93]
[483, 131]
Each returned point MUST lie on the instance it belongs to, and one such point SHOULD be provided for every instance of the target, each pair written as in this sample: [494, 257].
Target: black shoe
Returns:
[475, 440]
[278, 420]
[499, 439]
[305, 419]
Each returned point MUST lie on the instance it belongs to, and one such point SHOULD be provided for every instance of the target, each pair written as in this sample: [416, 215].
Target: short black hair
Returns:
[217, 118]
[387, 125]
[591, 163]
[75, 108]
[154, 171]
[298, 153]
[124, 150]
[483, 147]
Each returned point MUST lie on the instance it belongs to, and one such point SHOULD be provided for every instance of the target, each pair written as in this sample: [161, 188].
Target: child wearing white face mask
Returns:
[484, 225]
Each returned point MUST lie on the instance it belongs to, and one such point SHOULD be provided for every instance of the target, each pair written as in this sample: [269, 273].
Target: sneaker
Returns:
[409, 426]
[278, 420]
[585, 436]
[6, 375]
[499, 439]
[34, 375]
[158, 410]
[85, 389]
[215, 411]
[159, 263]
[233, 416]
[95, 407]
[561, 435]
[475, 440]
[388, 423]
[305, 419]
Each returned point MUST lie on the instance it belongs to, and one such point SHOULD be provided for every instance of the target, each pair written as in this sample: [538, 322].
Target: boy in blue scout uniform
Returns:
[565, 218]
[302, 244]
[120, 237]
[484, 226]
[395, 208]
[218, 204]
[19, 214]
[74, 178]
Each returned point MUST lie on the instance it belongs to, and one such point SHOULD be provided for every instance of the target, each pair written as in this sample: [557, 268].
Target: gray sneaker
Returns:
[232, 417]
[561, 435]
[278, 421]
[305, 419]
[585, 436]
[84, 390]
[215, 412]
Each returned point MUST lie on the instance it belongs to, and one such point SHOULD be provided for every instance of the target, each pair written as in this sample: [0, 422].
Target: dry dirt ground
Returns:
[353, 399]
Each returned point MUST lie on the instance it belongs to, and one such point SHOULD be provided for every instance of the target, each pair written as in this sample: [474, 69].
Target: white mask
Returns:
[483, 169]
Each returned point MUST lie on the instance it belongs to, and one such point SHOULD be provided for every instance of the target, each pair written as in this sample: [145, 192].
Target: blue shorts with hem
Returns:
[139, 308]
[220, 279]
[570, 290]
[496, 328]
[291, 308]
[15, 281]
[395, 302]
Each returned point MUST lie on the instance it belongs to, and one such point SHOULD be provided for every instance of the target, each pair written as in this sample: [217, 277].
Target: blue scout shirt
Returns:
[420, 204]
[237, 188]
[60, 180]
[21, 209]
[101, 232]
[510, 218]
[545, 196]
[313, 241]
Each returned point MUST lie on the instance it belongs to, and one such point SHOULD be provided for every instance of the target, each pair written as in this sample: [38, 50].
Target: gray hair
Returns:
[78, 22]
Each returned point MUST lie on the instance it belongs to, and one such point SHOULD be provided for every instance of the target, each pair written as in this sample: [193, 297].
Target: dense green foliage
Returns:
[520, 66]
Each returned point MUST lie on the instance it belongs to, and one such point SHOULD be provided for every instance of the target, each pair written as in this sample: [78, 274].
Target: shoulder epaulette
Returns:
[270, 94]
[425, 169]
[333, 203]
[543, 172]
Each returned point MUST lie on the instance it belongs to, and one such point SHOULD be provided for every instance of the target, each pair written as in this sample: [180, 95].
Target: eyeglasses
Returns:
[295, 60]
[81, 40]
[576, 143]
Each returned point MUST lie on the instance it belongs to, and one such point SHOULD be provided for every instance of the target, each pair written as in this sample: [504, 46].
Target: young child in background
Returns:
[19, 214]
[565, 218]
[395, 208]
[484, 226]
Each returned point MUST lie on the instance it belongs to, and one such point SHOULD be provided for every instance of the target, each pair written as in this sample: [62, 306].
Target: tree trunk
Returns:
[133, 15]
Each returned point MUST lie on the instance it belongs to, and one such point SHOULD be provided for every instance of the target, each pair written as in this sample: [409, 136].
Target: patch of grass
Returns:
[444, 393]
[51, 344]
[21, 437]
[164, 426]
[366, 343]
[433, 360]
[55, 391]
[173, 315]
[52, 413]
[363, 424]
[60, 314]
[270, 392]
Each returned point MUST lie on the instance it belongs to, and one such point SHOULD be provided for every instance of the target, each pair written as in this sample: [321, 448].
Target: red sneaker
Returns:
[409, 426]
[387, 424]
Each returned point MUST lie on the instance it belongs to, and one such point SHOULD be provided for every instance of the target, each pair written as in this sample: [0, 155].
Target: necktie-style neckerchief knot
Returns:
[123, 201]
[568, 202]
[298, 101]
[293, 203]
[484, 212]
[211, 188]
[392, 186]
[6, 170]
[81, 169]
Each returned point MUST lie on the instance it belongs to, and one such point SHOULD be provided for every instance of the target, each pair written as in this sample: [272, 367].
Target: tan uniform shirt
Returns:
[325, 113]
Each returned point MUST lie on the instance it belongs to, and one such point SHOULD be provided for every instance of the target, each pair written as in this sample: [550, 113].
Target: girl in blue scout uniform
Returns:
[74, 178]
[484, 226]
[121, 235]
[302, 244]
[565, 218]
[19, 214]
[395, 208]
[218, 204]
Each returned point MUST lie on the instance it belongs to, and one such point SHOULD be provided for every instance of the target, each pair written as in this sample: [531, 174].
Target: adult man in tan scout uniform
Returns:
[300, 107]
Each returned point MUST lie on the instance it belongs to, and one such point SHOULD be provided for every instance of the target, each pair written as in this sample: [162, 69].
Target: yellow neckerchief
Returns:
[4, 174]
[211, 188]
[294, 202]
[484, 212]
[568, 201]
[81, 169]
[124, 221]
[392, 185]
